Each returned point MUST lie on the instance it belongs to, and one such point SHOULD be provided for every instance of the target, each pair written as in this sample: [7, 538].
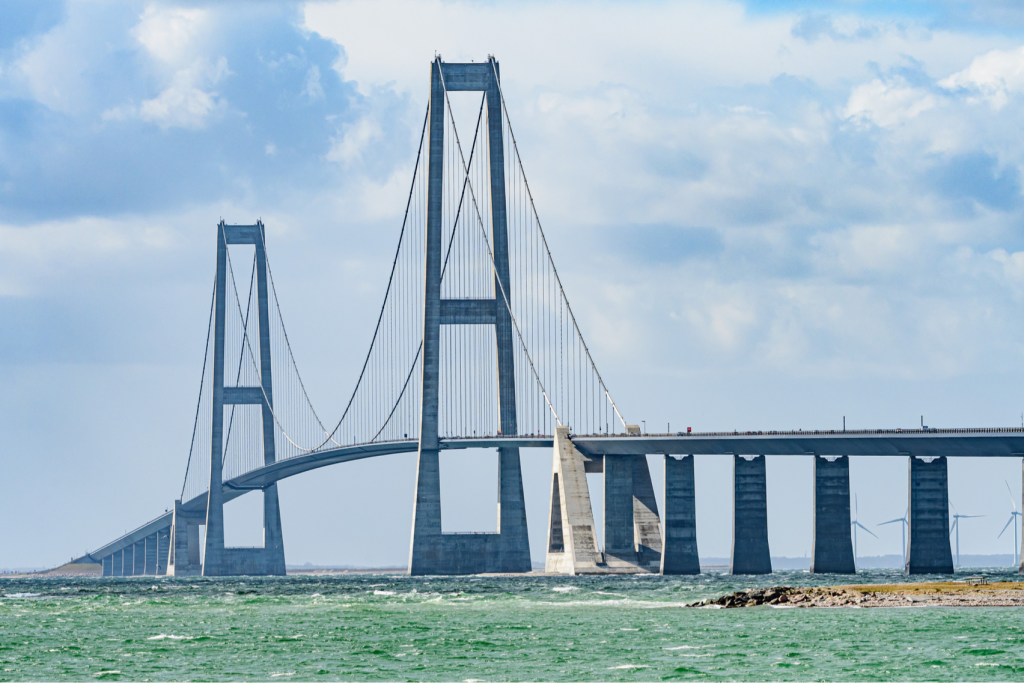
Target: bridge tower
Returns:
[431, 551]
[219, 560]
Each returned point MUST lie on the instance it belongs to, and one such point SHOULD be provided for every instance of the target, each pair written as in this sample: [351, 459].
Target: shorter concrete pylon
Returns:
[679, 555]
[750, 551]
[572, 536]
[929, 551]
[832, 544]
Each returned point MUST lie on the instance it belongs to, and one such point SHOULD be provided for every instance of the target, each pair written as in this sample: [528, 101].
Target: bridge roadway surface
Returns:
[991, 442]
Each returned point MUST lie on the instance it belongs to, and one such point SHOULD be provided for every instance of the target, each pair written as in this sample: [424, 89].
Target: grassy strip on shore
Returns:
[946, 593]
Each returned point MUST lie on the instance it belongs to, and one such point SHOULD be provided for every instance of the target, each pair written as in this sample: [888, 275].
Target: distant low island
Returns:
[972, 592]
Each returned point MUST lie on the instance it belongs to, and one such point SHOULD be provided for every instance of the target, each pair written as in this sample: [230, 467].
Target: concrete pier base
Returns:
[929, 551]
[750, 552]
[434, 552]
[832, 545]
[107, 563]
[680, 542]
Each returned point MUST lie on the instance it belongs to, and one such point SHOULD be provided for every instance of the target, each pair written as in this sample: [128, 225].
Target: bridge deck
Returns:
[995, 442]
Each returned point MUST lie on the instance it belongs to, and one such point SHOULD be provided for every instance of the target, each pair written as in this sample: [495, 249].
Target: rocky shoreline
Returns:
[944, 594]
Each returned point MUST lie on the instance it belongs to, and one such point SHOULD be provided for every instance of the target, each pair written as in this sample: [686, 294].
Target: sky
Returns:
[766, 215]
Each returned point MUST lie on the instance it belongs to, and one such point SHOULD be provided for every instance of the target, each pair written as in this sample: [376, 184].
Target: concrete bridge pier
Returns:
[832, 547]
[128, 560]
[929, 551]
[152, 550]
[619, 546]
[139, 558]
[163, 543]
[184, 557]
[107, 563]
[679, 555]
[750, 552]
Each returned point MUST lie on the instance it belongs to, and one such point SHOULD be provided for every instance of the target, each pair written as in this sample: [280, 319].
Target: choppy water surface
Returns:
[504, 629]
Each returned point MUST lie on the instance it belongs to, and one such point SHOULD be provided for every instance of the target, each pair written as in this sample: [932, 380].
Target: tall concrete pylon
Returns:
[219, 560]
[432, 551]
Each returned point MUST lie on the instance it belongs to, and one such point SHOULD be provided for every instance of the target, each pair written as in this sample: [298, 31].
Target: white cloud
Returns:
[888, 104]
[170, 33]
[355, 141]
[992, 76]
[313, 90]
[183, 104]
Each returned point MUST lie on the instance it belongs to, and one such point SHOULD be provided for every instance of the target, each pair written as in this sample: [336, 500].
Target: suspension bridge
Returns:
[476, 346]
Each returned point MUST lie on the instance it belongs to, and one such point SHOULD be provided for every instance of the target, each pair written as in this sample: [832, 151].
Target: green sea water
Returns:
[369, 628]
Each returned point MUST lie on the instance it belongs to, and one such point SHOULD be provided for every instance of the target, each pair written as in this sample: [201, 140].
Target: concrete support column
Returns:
[163, 543]
[619, 547]
[929, 551]
[128, 560]
[680, 552]
[832, 546]
[138, 565]
[108, 565]
[1020, 569]
[646, 522]
[117, 564]
[184, 544]
[152, 552]
[750, 552]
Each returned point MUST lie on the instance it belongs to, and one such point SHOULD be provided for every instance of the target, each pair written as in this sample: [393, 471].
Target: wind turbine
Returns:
[1013, 518]
[956, 527]
[903, 531]
[855, 524]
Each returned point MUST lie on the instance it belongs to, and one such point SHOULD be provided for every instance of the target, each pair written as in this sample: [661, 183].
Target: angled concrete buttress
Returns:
[680, 552]
[646, 522]
[430, 550]
[750, 552]
[572, 535]
[269, 559]
[929, 551]
[832, 545]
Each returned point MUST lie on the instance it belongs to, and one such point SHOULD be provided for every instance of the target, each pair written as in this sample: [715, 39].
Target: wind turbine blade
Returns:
[1008, 523]
[969, 516]
[865, 529]
[1012, 501]
[953, 525]
[856, 506]
[891, 521]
